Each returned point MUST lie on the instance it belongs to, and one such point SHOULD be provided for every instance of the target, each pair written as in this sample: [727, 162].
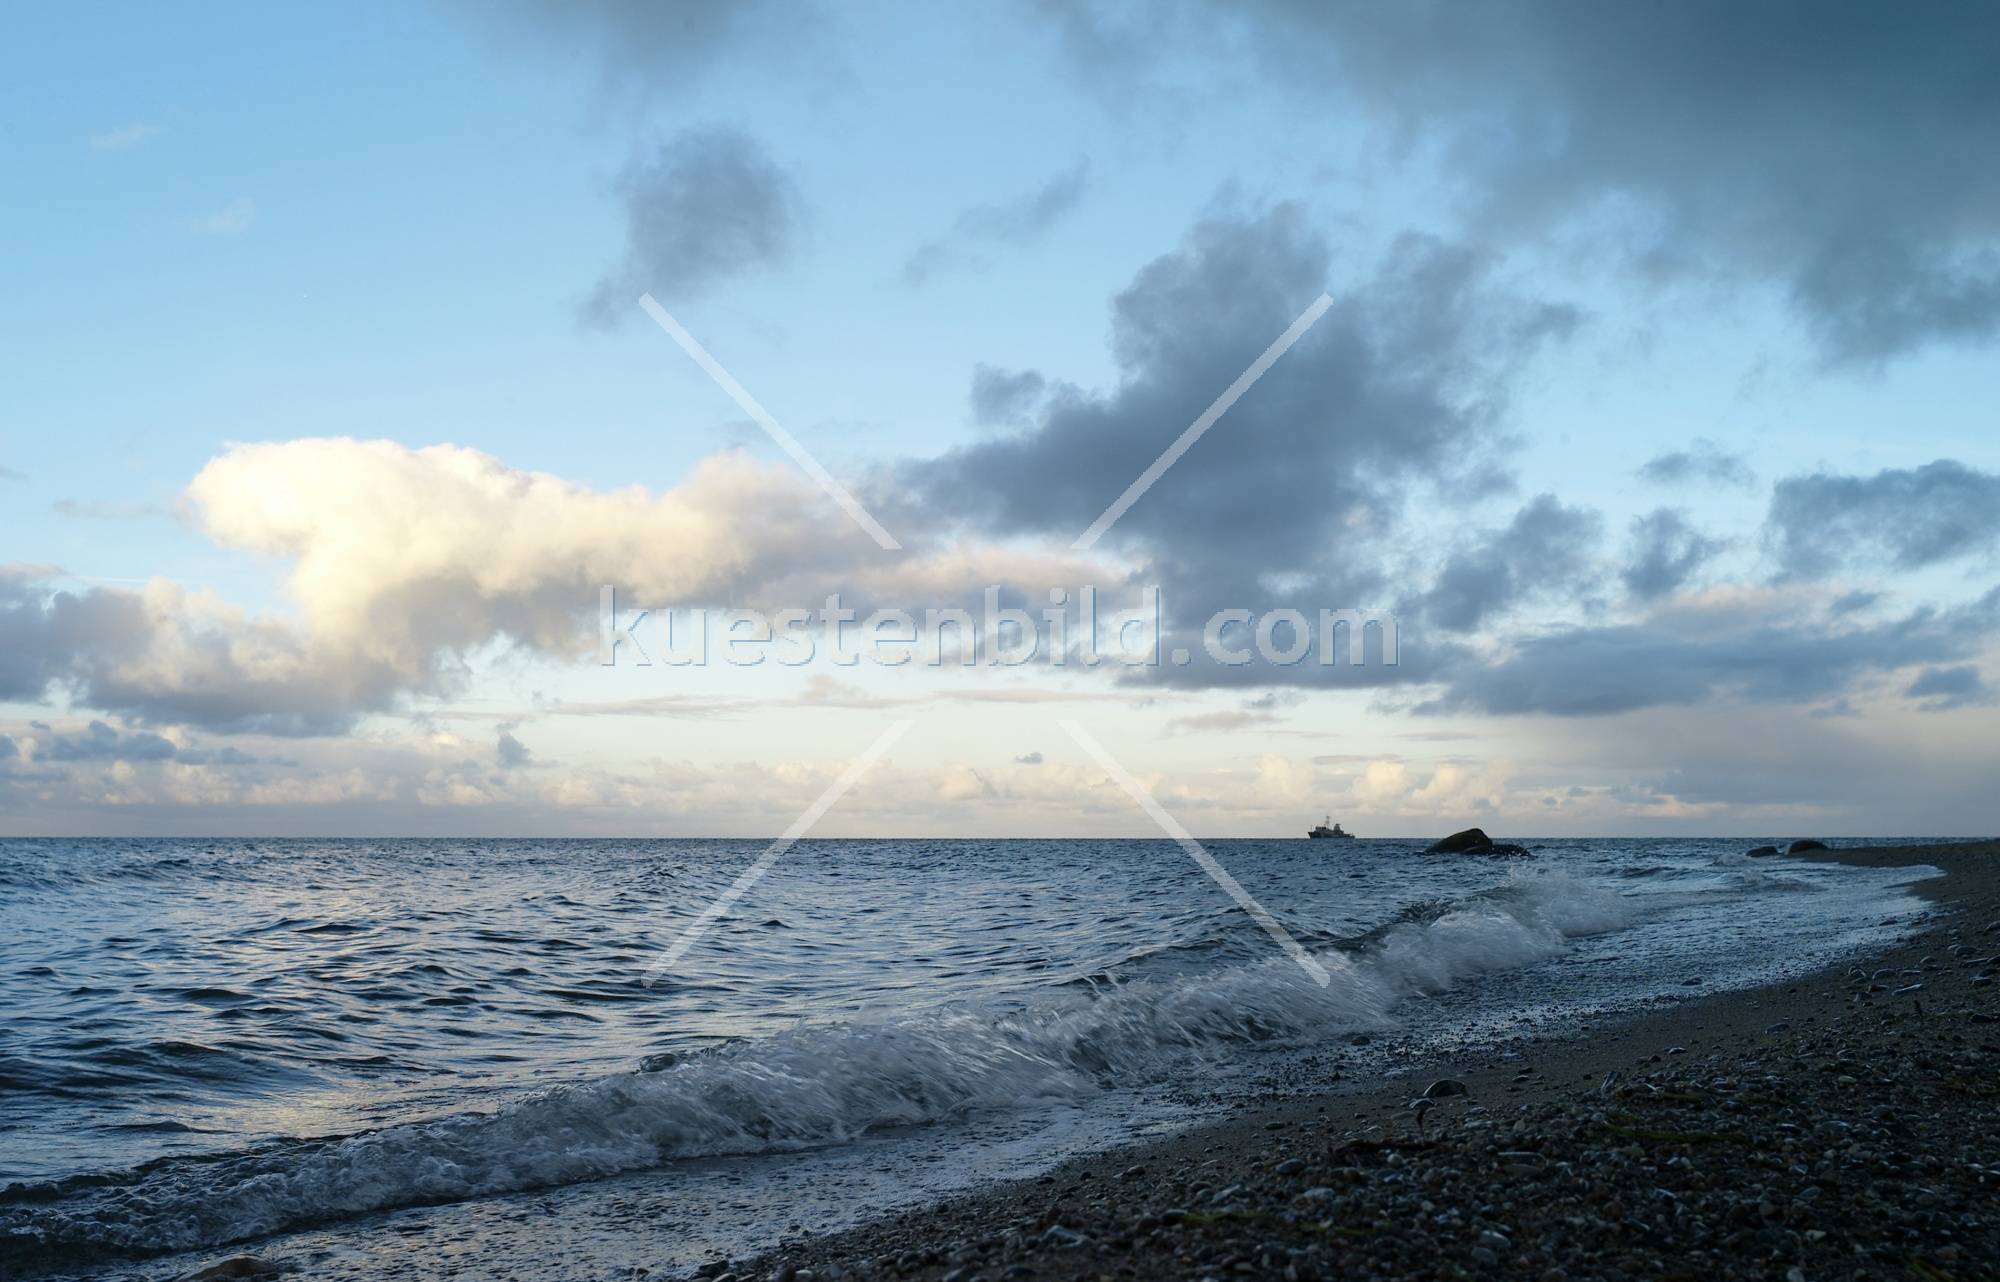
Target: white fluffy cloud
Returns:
[405, 561]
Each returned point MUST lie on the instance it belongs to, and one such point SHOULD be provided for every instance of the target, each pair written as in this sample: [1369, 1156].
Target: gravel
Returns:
[1838, 1126]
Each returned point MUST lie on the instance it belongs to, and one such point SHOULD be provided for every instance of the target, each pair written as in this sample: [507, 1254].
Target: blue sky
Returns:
[238, 225]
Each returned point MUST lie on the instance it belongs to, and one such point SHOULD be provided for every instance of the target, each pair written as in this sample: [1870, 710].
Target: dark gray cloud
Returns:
[1400, 384]
[1013, 223]
[511, 753]
[1944, 689]
[1596, 671]
[42, 633]
[1836, 150]
[117, 652]
[99, 742]
[644, 48]
[1666, 551]
[1547, 548]
[704, 207]
[1005, 398]
[1703, 461]
[1907, 518]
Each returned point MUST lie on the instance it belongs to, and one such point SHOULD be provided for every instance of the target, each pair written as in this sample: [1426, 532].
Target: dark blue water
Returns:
[208, 1042]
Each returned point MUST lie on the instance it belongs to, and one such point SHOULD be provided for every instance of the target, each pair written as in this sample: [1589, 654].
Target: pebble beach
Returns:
[1845, 1124]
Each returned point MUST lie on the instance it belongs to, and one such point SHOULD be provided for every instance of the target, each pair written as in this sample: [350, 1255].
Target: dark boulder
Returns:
[1473, 841]
[1800, 847]
[1470, 842]
[1762, 852]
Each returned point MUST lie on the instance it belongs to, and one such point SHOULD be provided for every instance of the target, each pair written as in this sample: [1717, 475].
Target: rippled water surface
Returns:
[208, 1042]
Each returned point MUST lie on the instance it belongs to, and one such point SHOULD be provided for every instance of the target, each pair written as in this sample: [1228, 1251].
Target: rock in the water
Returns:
[1443, 1087]
[1799, 847]
[242, 1266]
[1761, 852]
[1473, 841]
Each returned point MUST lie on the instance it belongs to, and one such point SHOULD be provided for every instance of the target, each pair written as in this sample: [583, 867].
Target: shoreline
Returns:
[1840, 1124]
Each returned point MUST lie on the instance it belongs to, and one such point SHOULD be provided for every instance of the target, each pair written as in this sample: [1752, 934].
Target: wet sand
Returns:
[1841, 1125]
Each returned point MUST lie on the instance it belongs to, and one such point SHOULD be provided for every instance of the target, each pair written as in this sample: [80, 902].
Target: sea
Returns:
[479, 1058]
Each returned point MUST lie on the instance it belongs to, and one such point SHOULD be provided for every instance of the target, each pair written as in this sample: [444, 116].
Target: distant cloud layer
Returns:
[706, 207]
[1695, 658]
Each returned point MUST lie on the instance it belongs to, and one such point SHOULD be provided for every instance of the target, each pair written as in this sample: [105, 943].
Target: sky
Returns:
[1650, 399]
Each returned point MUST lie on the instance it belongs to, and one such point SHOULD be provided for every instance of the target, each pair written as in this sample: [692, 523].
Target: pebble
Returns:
[1853, 1140]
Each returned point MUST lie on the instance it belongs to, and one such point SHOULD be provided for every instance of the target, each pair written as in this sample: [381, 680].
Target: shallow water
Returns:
[208, 1042]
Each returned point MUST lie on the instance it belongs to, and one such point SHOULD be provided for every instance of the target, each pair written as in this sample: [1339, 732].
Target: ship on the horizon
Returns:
[1321, 831]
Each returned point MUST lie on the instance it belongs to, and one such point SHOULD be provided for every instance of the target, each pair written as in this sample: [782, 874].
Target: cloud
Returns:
[1400, 383]
[107, 509]
[1834, 152]
[404, 562]
[1015, 223]
[1906, 518]
[99, 742]
[706, 207]
[830, 692]
[1546, 549]
[1028, 759]
[124, 138]
[401, 553]
[39, 635]
[1005, 398]
[165, 655]
[1271, 700]
[643, 48]
[1701, 656]
[232, 219]
[9, 474]
[510, 752]
[1703, 461]
[1223, 722]
[1946, 689]
[1665, 553]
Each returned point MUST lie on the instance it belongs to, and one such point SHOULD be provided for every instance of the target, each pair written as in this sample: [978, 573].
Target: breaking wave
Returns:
[815, 1085]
